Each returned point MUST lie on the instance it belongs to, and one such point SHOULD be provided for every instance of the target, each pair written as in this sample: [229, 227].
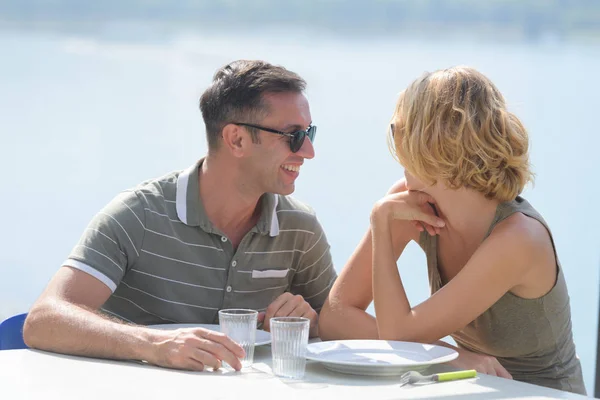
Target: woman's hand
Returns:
[481, 363]
[408, 205]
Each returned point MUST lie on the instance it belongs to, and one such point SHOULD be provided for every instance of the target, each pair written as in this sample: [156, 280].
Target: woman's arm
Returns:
[343, 315]
[482, 363]
[488, 275]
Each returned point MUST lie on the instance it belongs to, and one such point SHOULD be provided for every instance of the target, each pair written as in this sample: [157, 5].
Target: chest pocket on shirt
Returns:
[270, 273]
[270, 278]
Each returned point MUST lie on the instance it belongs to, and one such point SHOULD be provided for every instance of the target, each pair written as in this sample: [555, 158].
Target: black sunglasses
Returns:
[296, 138]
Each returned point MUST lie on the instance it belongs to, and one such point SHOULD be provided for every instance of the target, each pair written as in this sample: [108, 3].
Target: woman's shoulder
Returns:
[529, 251]
[523, 232]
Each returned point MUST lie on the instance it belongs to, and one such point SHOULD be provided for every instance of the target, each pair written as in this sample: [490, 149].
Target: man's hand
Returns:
[289, 305]
[194, 349]
[481, 363]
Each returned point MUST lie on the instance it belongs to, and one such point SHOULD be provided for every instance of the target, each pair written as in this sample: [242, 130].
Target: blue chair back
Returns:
[11, 333]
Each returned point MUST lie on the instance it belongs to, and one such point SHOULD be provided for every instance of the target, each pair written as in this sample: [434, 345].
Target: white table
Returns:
[32, 374]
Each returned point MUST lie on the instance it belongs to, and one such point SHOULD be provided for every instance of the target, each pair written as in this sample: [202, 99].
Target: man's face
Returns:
[275, 167]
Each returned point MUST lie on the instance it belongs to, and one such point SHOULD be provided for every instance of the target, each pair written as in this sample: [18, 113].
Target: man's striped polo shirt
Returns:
[164, 261]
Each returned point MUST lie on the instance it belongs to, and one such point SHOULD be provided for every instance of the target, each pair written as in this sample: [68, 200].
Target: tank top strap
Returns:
[506, 209]
[429, 245]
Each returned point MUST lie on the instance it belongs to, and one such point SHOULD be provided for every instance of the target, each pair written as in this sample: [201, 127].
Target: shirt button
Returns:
[223, 239]
[233, 263]
[228, 289]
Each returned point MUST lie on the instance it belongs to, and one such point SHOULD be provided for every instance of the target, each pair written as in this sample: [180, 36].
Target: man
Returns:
[220, 234]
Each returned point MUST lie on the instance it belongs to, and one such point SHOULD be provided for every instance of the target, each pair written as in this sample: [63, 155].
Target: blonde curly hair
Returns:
[452, 126]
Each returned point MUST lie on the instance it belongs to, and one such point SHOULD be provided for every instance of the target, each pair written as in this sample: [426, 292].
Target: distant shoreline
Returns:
[149, 30]
[495, 20]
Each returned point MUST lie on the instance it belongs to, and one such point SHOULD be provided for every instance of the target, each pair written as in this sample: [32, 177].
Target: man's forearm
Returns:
[63, 327]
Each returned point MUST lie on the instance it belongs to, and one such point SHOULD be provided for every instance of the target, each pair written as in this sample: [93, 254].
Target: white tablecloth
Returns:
[32, 374]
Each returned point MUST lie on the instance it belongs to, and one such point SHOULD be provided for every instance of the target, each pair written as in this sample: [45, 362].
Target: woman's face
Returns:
[413, 183]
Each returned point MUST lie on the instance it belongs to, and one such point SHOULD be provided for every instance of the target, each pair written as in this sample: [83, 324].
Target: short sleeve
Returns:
[111, 243]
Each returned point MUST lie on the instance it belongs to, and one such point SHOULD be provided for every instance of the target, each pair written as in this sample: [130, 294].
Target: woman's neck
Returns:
[468, 215]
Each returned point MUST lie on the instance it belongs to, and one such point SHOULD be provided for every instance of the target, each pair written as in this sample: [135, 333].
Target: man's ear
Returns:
[236, 139]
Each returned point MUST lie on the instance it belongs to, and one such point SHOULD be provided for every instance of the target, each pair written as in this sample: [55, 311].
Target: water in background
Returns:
[82, 119]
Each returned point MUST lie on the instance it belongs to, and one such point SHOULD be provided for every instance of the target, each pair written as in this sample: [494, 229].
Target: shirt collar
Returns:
[187, 198]
[190, 209]
[268, 222]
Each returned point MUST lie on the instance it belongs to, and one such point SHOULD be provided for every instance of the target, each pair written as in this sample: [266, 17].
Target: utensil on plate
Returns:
[415, 377]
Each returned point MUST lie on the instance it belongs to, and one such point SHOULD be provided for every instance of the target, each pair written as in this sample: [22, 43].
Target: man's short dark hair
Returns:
[236, 95]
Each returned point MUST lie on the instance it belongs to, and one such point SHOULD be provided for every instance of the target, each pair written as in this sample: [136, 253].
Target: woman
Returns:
[497, 286]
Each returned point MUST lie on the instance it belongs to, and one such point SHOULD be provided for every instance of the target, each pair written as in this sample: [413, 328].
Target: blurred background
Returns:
[97, 96]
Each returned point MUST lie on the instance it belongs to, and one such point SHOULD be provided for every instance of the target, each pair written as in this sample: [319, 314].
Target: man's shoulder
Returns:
[155, 195]
[157, 191]
[164, 181]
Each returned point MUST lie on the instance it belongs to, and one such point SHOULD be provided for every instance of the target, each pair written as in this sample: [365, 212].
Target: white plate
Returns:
[377, 357]
[262, 337]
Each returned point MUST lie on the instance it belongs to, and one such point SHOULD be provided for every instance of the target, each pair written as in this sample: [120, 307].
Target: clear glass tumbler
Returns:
[289, 338]
[240, 325]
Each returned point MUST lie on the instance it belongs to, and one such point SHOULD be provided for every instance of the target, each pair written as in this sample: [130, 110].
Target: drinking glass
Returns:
[240, 325]
[289, 338]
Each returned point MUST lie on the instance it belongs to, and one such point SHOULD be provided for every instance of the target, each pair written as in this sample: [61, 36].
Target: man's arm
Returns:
[65, 320]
